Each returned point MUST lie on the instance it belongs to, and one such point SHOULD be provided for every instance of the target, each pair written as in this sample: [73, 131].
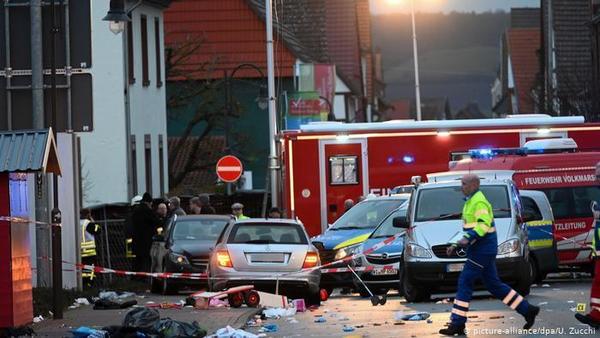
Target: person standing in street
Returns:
[593, 317]
[161, 213]
[195, 206]
[275, 212]
[238, 211]
[145, 223]
[205, 207]
[481, 242]
[348, 204]
[175, 205]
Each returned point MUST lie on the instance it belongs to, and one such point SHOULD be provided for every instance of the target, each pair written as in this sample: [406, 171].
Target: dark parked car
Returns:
[185, 247]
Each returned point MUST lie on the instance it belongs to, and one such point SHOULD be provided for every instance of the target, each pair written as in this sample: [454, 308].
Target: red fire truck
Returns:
[326, 163]
[567, 177]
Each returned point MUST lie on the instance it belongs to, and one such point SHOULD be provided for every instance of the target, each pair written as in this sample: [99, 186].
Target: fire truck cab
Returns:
[564, 174]
[325, 163]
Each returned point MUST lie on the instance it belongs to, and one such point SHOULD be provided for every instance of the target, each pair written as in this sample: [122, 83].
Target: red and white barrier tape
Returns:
[359, 268]
[23, 220]
[171, 275]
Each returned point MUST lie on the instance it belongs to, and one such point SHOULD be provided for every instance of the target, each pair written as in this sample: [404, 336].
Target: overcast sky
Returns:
[386, 6]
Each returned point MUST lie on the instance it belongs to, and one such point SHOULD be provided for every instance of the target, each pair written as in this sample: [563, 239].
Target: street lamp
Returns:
[261, 100]
[415, 56]
[116, 16]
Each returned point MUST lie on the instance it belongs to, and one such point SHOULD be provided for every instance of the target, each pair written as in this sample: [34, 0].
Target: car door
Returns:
[540, 227]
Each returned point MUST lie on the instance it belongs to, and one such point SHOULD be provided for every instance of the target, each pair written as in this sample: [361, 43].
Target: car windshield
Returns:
[205, 230]
[267, 233]
[386, 228]
[367, 214]
[446, 203]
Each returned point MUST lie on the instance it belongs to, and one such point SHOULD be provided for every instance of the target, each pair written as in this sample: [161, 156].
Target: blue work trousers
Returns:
[484, 267]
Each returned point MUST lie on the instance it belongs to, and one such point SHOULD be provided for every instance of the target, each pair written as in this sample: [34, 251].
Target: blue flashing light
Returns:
[390, 160]
[408, 159]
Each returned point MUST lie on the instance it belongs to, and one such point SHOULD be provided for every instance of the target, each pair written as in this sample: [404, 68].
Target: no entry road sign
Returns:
[229, 169]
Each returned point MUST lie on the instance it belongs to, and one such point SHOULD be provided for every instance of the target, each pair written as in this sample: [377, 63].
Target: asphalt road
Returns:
[211, 320]
[557, 298]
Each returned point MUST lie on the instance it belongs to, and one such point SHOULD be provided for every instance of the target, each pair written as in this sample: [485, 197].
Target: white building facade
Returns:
[126, 153]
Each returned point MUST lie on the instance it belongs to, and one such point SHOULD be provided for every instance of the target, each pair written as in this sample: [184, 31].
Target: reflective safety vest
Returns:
[129, 248]
[479, 229]
[241, 217]
[88, 245]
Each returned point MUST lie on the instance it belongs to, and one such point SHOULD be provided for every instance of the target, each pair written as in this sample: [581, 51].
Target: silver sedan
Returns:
[264, 253]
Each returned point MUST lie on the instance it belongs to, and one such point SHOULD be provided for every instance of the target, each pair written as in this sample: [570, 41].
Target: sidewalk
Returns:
[211, 320]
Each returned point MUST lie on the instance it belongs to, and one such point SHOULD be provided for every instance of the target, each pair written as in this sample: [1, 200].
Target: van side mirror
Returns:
[401, 222]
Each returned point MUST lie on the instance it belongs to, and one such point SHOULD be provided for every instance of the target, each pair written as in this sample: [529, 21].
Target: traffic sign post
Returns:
[229, 169]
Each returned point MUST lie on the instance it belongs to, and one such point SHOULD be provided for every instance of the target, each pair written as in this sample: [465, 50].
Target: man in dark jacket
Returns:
[145, 223]
[205, 207]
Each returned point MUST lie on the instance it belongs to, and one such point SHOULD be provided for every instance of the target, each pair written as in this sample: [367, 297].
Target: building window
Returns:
[130, 63]
[144, 26]
[148, 160]
[157, 52]
[161, 165]
[134, 176]
[343, 170]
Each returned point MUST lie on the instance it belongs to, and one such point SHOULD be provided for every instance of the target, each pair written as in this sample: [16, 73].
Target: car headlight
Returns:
[347, 251]
[417, 251]
[179, 259]
[509, 246]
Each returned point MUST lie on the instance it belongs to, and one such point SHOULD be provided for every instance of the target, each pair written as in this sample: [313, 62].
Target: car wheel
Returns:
[235, 299]
[412, 293]
[537, 276]
[313, 299]
[252, 299]
[523, 286]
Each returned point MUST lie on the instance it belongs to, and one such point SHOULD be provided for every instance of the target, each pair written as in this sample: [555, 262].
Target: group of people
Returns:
[149, 218]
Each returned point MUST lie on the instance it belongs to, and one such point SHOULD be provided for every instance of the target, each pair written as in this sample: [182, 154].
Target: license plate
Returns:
[455, 267]
[385, 272]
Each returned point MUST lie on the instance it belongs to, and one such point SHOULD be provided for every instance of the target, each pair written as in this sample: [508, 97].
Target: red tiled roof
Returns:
[232, 33]
[211, 149]
[343, 41]
[523, 46]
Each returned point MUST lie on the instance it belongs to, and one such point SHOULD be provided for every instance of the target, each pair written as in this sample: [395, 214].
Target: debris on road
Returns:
[320, 320]
[414, 316]
[347, 328]
[169, 328]
[443, 301]
[269, 328]
[276, 313]
[545, 285]
[38, 319]
[542, 303]
[141, 317]
[84, 332]
[111, 300]
[229, 332]
[299, 304]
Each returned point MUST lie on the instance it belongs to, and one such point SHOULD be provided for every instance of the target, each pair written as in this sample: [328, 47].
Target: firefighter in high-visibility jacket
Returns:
[593, 317]
[89, 230]
[481, 243]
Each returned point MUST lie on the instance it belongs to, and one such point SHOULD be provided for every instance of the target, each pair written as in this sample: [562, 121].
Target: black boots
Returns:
[586, 319]
[453, 330]
[532, 312]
